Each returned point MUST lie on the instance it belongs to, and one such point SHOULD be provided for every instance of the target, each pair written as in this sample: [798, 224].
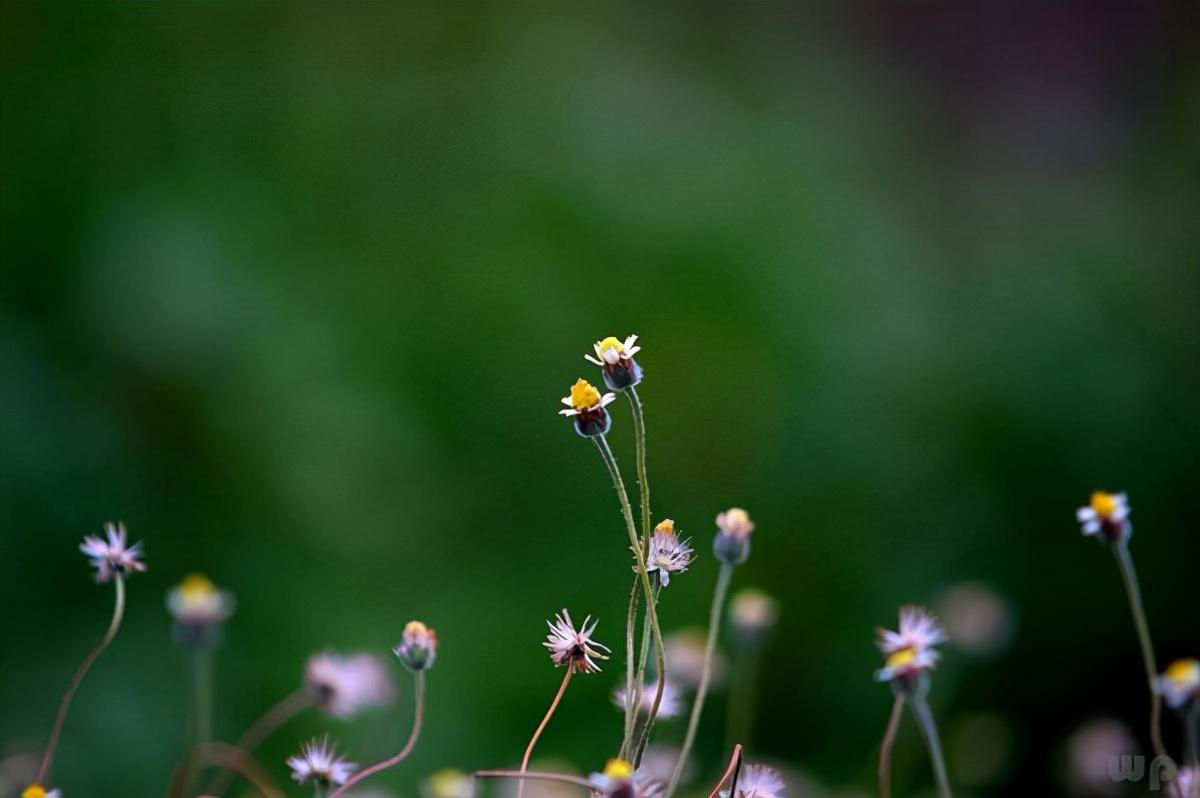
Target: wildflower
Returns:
[732, 543]
[1179, 685]
[758, 781]
[112, 557]
[685, 659]
[38, 791]
[199, 609]
[911, 650]
[318, 762]
[1106, 513]
[341, 686]
[448, 783]
[670, 706]
[668, 554]
[587, 406]
[418, 647]
[752, 613]
[615, 358]
[620, 780]
[575, 649]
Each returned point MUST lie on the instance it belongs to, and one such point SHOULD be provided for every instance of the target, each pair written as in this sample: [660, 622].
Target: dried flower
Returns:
[574, 648]
[732, 542]
[668, 554]
[318, 762]
[615, 358]
[911, 650]
[341, 686]
[112, 557]
[418, 647]
[38, 791]
[587, 405]
[1179, 685]
[620, 780]
[758, 781]
[671, 705]
[752, 613]
[1107, 514]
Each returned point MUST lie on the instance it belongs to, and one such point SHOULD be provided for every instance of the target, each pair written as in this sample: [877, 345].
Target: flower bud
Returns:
[418, 647]
[732, 542]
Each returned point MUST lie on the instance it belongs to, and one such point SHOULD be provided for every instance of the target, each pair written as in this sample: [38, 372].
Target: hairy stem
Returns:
[710, 644]
[562, 688]
[630, 708]
[644, 739]
[885, 748]
[929, 732]
[1129, 577]
[80, 672]
[287, 708]
[402, 754]
[639, 434]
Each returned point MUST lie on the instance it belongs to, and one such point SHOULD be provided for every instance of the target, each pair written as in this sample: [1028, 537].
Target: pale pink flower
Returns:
[912, 648]
[318, 762]
[112, 557]
[343, 685]
[573, 648]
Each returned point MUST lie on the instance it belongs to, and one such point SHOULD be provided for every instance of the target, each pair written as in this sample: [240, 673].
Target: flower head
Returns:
[341, 686]
[1106, 513]
[112, 557]
[620, 780]
[572, 648]
[911, 650]
[38, 791]
[196, 600]
[732, 543]
[1179, 684]
[615, 358]
[418, 647]
[670, 706]
[752, 613]
[759, 781]
[668, 554]
[318, 762]
[586, 404]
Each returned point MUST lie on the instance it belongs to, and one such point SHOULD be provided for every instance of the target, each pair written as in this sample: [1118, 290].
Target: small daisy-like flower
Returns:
[112, 557]
[38, 791]
[732, 543]
[671, 705]
[615, 359]
[758, 781]
[318, 762]
[1179, 685]
[620, 780]
[668, 554]
[341, 686]
[752, 613]
[1107, 514]
[196, 601]
[575, 649]
[418, 647]
[586, 405]
[911, 650]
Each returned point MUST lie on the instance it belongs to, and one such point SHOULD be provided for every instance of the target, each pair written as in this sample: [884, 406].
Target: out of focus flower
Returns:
[685, 659]
[911, 650]
[977, 618]
[758, 781]
[732, 542]
[198, 608]
[671, 705]
[38, 791]
[621, 781]
[319, 763]
[1092, 751]
[587, 405]
[1179, 685]
[341, 686]
[752, 613]
[615, 359]
[1187, 781]
[1107, 514]
[668, 554]
[448, 783]
[573, 648]
[658, 762]
[111, 556]
[418, 647]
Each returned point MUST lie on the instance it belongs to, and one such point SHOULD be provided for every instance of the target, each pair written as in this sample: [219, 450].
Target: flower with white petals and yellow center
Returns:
[620, 780]
[586, 405]
[668, 554]
[1179, 684]
[910, 651]
[615, 359]
[197, 601]
[1107, 514]
[38, 791]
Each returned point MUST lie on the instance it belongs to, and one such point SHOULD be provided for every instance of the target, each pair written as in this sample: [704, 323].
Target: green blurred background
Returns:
[294, 291]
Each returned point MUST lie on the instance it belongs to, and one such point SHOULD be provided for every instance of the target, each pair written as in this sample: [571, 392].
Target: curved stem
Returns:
[651, 611]
[287, 708]
[1129, 577]
[735, 766]
[630, 707]
[536, 775]
[562, 688]
[885, 748]
[80, 672]
[418, 715]
[229, 758]
[710, 644]
[929, 732]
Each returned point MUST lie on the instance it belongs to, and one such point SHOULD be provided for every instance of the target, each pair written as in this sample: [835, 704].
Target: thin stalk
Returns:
[885, 748]
[651, 611]
[731, 772]
[630, 710]
[644, 739]
[536, 775]
[402, 754]
[202, 695]
[742, 695]
[1191, 730]
[639, 436]
[710, 644]
[920, 709]
[80, 672]
[229, 758]
[287, 708]
[1129, 577]
[562, 688]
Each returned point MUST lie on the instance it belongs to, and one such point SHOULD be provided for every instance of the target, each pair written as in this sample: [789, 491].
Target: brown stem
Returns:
[735, 765]
[283, 711]
[885, 748]
[562, 688]
[534, 774]
[229, 758]
[418, 714]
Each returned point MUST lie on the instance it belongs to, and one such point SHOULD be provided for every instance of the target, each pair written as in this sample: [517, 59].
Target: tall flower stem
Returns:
[80, 672]
[402, 754]
[202, 695]
[730, 774]
[651, 611]
[535, 775]
[1129, 577]
[920, 709]
[885, 748]
[287, 708]
[1191, 730]
[231, 758]
[562, 688]
[639, 435]
[630, 708]
[739, 726]
[644, 738]
[710, 644]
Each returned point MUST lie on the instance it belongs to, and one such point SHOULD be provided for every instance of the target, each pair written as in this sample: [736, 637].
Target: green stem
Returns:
[885, 748]
[710, 644]
[202, 696]
[418, 716]
[738, 724]
[610, 461]
[630, 710]
[644, 738]
[1129, 577]
[639, 434]
[929, 732]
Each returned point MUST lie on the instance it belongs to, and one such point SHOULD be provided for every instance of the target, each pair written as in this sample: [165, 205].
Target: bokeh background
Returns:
[294, 291]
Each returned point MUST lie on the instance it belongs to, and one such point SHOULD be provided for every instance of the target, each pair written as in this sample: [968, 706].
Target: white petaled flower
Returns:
[318, 762]
[1107, 513]
[911, 649]
[196, 601]
[584, 398]
[758, 781]
[612, 351]
[38, 791]
[111, 556]
[670, 706]
[342, 686]
[576, 649]
[735, 522]
[620, 780]
[1179, 684]
[668, 554]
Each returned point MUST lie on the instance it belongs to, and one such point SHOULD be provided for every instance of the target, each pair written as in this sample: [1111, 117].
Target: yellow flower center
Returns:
[584, 395]
[34, 791]
[667, 525]
[611, 343]
[196, 587]
[905, 656]
[618, 768]
[1105, 504]
[415, 628]
[1183, 671]
[448, 783]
